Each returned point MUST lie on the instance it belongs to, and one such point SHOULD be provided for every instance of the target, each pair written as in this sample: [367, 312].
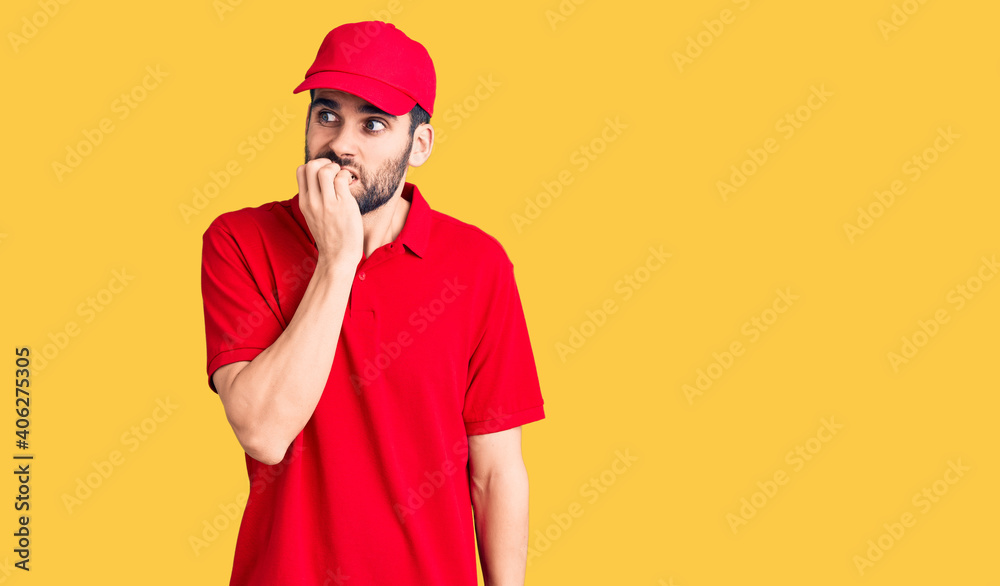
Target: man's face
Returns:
[353, 133]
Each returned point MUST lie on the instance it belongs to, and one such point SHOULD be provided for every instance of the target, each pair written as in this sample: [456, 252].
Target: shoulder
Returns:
[468, 242]
[250, 219]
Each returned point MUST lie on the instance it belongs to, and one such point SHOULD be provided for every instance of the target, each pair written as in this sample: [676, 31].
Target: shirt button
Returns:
[361, 275]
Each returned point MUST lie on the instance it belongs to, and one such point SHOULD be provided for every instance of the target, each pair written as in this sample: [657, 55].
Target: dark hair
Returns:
[418, 115]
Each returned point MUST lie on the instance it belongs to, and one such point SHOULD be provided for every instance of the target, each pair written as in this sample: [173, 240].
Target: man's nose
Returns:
[344, 143]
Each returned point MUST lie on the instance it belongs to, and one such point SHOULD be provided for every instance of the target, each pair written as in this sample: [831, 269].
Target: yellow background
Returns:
[663, 520]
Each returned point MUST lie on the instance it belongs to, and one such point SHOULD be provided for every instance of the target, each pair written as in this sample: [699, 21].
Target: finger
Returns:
[342, 184]
[312, 181]
[325, 177]
[300, 179]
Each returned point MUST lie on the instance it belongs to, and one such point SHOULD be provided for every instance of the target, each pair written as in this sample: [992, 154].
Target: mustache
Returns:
[333, 157]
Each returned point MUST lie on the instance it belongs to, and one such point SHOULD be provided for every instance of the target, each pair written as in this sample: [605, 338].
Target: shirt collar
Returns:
[416, 229]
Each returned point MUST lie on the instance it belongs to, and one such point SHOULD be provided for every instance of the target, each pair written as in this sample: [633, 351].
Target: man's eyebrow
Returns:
[365, 108]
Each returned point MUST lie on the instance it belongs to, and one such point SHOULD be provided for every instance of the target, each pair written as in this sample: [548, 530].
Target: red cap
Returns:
[377, 62]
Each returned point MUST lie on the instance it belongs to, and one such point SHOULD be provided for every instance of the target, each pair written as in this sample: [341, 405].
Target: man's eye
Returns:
[378, 128]
[326, 116]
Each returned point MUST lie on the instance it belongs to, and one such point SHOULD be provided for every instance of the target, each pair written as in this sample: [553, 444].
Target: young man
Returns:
[371, 353]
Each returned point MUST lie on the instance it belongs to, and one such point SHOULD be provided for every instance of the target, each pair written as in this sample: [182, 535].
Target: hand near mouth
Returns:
[331, 211]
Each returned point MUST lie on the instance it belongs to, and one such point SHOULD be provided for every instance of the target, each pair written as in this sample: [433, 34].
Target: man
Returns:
[371, 353]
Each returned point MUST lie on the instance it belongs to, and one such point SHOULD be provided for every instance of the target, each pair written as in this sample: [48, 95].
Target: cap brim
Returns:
[381, 95]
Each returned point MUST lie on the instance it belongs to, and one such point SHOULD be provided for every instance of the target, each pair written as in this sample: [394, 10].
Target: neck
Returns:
[383, 225]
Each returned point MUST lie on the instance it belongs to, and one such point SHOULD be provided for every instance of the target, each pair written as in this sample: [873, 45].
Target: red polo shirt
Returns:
[433, 348]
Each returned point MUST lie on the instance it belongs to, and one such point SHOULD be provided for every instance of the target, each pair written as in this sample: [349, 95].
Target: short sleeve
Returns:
[503, 389]
[239, 323]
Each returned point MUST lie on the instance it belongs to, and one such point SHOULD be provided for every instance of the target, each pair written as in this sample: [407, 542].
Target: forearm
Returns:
[277, 392]
[500, 505]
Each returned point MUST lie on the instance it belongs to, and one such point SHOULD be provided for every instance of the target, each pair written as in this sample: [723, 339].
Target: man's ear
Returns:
[423, 143]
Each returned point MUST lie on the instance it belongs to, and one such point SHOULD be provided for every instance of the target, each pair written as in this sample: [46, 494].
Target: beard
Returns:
[379, 186]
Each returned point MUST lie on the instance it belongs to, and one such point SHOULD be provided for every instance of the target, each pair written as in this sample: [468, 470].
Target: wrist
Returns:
[336, 267]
